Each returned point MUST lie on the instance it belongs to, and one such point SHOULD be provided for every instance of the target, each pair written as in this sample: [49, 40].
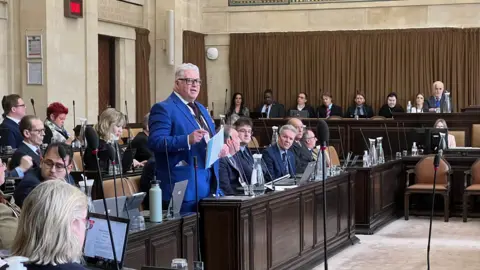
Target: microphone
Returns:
[364, 139]
[398, 138]
[389, 143]
[74, 113]
[405, 135]
[266, 131]
[213, 109]
[111, 156]
[436, 164]
[128, 126]
[170, 207]
[195, 166]
[237, 160]
[263, 162]
[117, 154]
[63, 154]
[225, 108]
[323, 135]
[93, 141]
[33, 105]
[341, 142]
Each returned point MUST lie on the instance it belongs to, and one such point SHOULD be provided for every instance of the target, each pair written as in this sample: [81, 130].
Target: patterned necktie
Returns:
[247, 157]
[39, 153]
[314, 155]
[328, 112]
[198, 117]
[285, 162]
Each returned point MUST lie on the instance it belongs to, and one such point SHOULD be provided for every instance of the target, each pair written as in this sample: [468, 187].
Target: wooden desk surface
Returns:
[278, 230]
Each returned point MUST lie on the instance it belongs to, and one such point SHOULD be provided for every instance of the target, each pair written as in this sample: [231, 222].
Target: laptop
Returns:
[297, 113]
[97, 250]
[257, 115]
[303, 179]
[111, 205]
[177, 198]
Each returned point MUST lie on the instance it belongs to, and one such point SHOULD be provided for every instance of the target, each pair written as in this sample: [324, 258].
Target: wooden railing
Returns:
[289, 2]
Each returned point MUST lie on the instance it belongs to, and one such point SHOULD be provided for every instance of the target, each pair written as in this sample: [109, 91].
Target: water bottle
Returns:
[274, 135]
[414, 149]
[366, 159]
[257, 180]
[409, 107]
[155, 194]
[447, 108]
[380, 153]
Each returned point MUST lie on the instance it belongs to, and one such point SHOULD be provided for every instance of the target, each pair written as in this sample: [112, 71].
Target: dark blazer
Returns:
[103, 156]
[230, 174]
[368, 112]
[431, 101]
[23, 150]
[246, 160]
[273, 161]
[148, 173]
[32, 179]
[140, 142]
[66, 266]
[302, 156]
[386, 111]
[335, 111]
[308, 108]
[15, 138]
[277, 110]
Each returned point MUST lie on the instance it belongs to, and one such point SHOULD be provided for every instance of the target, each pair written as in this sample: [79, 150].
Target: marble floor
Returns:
[402, 245]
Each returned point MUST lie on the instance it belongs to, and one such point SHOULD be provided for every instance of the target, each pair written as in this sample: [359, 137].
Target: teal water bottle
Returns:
[155, 194]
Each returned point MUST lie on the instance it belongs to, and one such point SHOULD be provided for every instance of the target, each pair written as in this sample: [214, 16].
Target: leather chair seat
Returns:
[474, 187]
[438, 187]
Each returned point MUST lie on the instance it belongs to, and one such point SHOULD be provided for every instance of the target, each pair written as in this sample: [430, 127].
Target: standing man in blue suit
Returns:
[279, 159]
[180, 128]
[14, 109]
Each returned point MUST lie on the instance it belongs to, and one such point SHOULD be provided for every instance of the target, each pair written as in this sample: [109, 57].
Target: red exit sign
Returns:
[73, 8]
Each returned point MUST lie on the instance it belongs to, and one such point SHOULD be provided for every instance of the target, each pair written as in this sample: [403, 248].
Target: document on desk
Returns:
[214, 147]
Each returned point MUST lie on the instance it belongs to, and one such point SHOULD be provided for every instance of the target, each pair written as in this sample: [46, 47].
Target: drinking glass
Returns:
[398, 155]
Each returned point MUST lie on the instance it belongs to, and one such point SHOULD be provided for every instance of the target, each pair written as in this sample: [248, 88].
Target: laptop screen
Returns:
[98, 246]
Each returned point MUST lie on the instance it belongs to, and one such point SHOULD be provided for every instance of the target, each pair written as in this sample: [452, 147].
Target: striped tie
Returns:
[328, 112]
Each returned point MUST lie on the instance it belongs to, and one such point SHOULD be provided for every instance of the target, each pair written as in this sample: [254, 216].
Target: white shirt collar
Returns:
[300, 107]
[31, 146]
[181, 98]
[13, 119]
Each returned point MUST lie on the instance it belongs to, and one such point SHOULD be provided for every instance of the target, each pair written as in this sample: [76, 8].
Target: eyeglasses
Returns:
[88, 223]
[21, 105]
[49, 164]
[189, 81]
[247, 131]
[38, 130]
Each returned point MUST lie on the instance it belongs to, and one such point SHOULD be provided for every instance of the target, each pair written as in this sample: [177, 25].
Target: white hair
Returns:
[288, 127]
[180, 70]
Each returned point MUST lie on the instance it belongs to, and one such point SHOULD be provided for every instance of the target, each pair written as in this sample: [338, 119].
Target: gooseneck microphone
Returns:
[93, 142]
[170, 212]
[33, 106]
[389, 143]
[398, 138]
[129, 140]
[364, 139]
[436, 164]
[117, 154]
[341, 142]
[195, 167]
[74, 114]
[111, 156]
[62, 153]
[225, 109]
[323, 136]
[405, 135]
[237, 160]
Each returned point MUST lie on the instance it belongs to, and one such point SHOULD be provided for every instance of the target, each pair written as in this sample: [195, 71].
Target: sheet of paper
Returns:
[214, 146]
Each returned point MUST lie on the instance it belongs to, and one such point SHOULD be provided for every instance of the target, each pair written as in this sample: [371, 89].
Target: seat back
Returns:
[77, 160]
[475, 172]
[475, 135]
[253, 143]
[459, 137]
[332, 153]
[131, 185]
[378, 117]
[424, 171]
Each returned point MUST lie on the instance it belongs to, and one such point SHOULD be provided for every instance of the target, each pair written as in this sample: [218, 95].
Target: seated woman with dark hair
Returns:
[359, 108]
[387, 109]
[51, 228]
[302, 106]
[420, 106]
[237, 106]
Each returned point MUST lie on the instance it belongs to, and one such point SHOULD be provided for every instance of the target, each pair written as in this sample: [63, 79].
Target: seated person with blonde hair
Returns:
[440, 123]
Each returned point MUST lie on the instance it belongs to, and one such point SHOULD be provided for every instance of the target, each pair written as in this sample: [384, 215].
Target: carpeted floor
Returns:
[402, 245]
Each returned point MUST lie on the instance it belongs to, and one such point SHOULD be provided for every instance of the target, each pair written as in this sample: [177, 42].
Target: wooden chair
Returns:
[471, 186]
[424, 174]
[459, 137]
[77, 161]
[332, 153]
[130, 184]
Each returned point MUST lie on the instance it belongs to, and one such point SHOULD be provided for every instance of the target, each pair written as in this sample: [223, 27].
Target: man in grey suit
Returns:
[437, 100]
[302, 154]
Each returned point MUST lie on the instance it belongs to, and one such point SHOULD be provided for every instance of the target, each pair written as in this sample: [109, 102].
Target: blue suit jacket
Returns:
[170, 124]
[15, 138]
[273, 161]
[229, 175]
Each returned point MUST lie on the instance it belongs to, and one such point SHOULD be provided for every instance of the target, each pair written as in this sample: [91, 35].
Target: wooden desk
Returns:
[376, 192]
[279, 230]
[347, 133]
[159, 243]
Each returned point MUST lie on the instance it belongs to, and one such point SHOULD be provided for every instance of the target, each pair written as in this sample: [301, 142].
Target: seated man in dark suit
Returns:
[278, 158]
[437, 100]
[302, 155]
[270, 108]
[387, 109]
[231, 172]
[13, 111]
[328, 109]
[140, 143]
[52, 167]
[33, 130]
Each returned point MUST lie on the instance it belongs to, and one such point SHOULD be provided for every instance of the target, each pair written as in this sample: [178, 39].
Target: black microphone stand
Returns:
[324, 179]
[436, 163]
[170, 212]
[117, 154]
[195, 166]
[114, 171]
[106, 210]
